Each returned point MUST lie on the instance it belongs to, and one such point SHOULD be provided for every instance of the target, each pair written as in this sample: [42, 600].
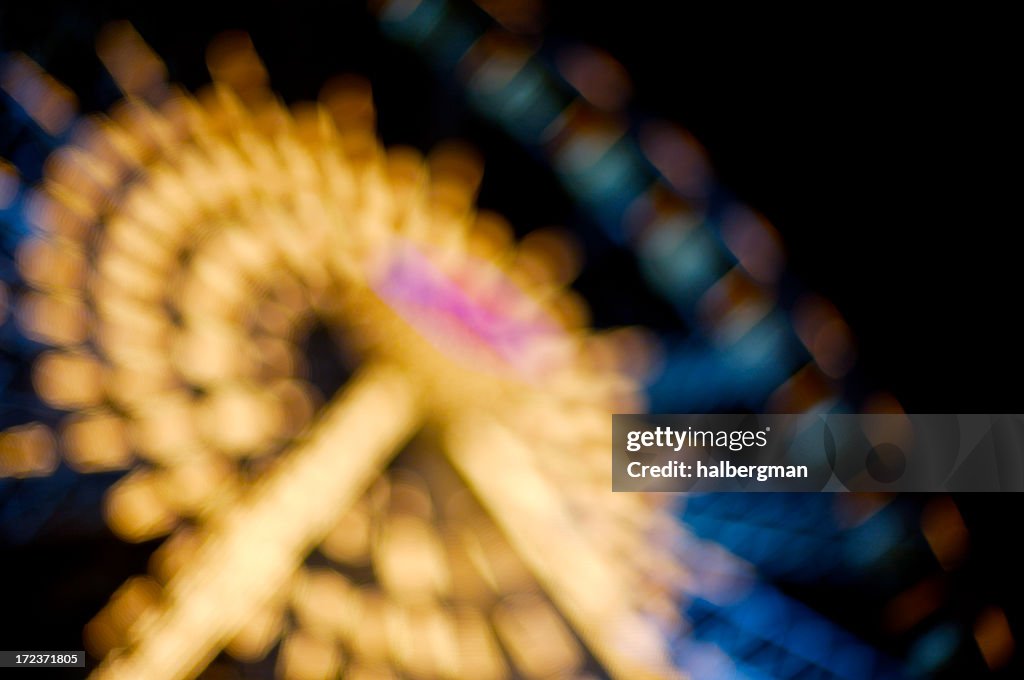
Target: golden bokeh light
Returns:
[447, 513]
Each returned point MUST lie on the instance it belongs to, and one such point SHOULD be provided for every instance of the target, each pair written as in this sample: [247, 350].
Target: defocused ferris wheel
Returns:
[170, 277]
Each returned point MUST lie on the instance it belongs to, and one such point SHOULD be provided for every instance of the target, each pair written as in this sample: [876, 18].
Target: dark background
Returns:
[878, 144]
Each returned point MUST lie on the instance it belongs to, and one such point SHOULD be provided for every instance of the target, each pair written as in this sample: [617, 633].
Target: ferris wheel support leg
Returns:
[251, 551]
[497, 465]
